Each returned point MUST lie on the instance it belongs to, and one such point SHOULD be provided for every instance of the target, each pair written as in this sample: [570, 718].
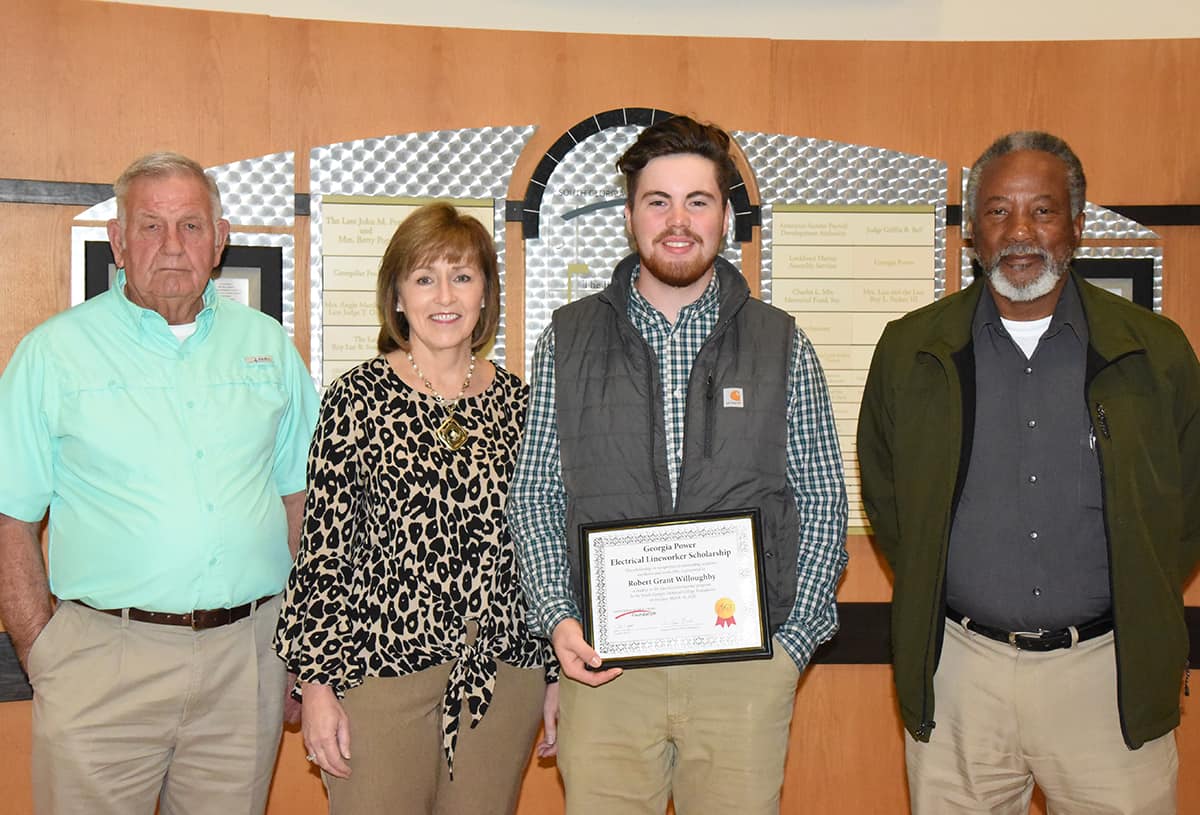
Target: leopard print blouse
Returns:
[405, 553]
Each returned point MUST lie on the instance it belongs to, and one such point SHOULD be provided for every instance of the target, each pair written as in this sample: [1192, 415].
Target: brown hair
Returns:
[436, 232]
[679, 134]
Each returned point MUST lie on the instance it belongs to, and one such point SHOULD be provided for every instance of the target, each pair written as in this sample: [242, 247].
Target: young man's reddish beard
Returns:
[681, 273]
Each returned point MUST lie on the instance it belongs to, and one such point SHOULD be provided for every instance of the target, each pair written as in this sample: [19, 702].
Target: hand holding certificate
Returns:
[675, 590]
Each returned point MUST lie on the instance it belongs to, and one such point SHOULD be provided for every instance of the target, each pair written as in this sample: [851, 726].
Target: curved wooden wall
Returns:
[87, 86]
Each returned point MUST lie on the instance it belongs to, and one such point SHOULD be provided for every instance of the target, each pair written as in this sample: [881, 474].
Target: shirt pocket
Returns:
[243, 418]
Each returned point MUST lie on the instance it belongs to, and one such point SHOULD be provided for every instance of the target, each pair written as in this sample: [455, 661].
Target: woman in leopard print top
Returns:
[404, 601]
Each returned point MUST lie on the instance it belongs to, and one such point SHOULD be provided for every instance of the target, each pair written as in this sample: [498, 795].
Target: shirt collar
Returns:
[149, 323]
[1068, 312]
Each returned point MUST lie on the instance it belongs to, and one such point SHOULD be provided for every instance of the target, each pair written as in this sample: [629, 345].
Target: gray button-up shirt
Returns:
[1027, 544]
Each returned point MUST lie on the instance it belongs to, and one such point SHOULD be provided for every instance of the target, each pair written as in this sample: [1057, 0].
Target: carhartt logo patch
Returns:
[260, 359]
[733, 397]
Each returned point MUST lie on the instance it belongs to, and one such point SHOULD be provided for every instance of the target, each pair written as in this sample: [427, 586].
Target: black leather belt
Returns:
[1036, 640]
[196, 620]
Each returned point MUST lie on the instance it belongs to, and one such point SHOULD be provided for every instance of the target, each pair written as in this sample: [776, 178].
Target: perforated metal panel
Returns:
[254, 192]
[582, 232]
[473, 163]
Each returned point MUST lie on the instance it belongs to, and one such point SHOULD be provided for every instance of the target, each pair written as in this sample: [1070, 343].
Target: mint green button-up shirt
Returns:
[162, 463]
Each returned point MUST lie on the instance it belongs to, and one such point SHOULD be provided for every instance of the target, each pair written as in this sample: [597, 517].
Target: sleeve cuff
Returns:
[553, 612]
[797, 645]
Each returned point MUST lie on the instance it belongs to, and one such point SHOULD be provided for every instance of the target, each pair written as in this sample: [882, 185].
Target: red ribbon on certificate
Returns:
[725, 608]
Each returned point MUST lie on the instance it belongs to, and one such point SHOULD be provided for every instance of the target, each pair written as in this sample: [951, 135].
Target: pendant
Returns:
[451, 434]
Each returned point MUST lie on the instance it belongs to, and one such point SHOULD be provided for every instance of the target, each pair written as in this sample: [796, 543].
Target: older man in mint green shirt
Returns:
[166, 431]
[162, 462]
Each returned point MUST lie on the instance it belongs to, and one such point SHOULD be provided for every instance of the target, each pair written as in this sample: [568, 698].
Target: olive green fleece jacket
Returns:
[914, 436]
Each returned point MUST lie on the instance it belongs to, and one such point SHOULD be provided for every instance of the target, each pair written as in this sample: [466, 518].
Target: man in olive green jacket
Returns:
[947, 395]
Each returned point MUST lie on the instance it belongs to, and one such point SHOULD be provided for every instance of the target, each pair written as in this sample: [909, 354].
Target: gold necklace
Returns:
[450, 433]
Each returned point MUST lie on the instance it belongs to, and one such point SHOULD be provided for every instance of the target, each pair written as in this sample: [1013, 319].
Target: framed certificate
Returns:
[678, 590]
[1131, 278]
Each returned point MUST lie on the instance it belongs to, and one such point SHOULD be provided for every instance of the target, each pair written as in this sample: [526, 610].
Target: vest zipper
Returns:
[653, 377]
[710, 416]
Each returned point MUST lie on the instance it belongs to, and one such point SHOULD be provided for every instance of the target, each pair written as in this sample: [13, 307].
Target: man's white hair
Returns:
[161, 165]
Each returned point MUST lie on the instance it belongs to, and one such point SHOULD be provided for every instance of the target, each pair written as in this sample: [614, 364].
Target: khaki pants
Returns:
[397, 764]
[714, 737]
[127, 714]
[1007, 719]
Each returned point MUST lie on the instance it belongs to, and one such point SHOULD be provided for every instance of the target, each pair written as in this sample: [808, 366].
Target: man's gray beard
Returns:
[1040, 286]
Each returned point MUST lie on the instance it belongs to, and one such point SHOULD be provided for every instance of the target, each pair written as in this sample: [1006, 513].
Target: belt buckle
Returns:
[1033, 635]
[210, 618]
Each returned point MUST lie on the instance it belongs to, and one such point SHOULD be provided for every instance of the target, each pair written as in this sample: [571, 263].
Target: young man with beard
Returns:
[633, 414]
[1030, 456]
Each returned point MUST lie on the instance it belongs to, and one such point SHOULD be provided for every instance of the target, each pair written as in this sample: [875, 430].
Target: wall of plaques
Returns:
[849, 236]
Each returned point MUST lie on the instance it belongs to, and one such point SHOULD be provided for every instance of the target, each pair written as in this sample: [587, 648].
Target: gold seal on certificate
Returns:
[652, 586]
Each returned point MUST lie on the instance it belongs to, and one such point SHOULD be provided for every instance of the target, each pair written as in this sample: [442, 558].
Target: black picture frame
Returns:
[261, 265]
[1132, 278]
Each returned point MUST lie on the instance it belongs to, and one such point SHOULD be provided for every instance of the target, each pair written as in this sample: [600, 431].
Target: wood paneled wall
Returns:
[88, 86]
